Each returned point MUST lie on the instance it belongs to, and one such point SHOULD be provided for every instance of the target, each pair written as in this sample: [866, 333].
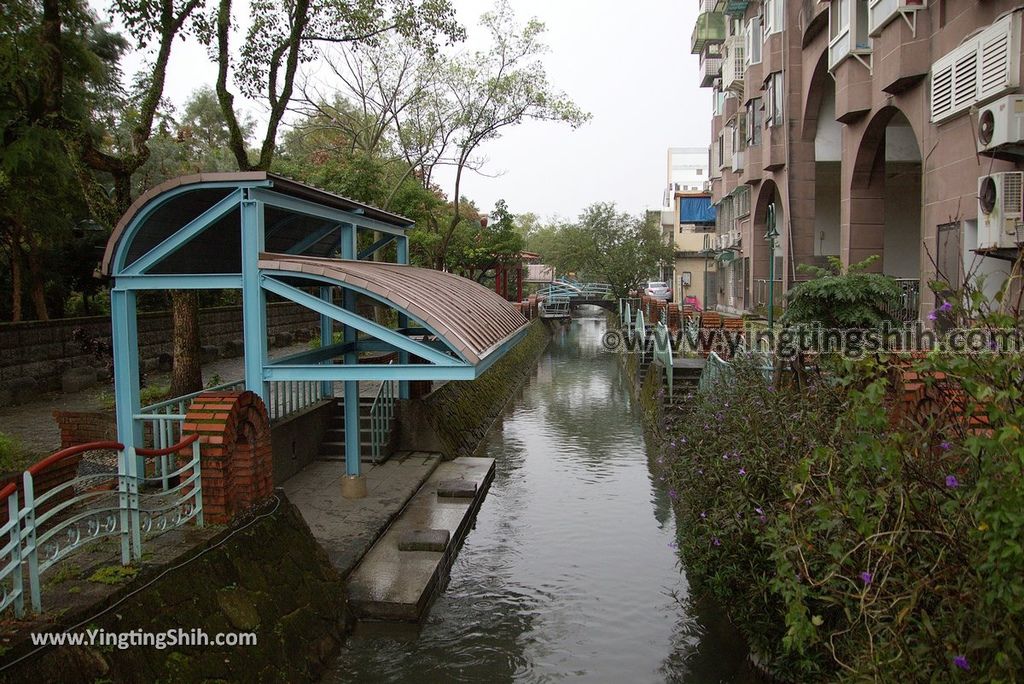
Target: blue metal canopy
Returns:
[268, 235]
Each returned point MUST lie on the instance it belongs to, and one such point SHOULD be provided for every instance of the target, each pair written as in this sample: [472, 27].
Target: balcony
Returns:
[848, 33]
[813, 18]
[752, 170]
[733, 65]
[709, 28]
[881, 12]
[710, 69]
[736, 8]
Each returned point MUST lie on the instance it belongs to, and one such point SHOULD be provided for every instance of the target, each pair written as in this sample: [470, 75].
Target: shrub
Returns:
[850, 542]
[841, 299]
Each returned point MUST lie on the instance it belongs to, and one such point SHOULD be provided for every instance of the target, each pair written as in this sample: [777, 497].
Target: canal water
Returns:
[571, 571]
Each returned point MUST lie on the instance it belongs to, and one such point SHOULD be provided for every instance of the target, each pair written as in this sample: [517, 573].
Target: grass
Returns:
[14, 456]
[114, 574]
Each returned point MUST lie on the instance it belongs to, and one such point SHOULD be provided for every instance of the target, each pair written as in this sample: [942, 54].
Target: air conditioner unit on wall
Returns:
[1001, 128]
[1001, 210]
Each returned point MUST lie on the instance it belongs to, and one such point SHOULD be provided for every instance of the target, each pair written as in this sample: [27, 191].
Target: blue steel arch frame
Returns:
[441, 359]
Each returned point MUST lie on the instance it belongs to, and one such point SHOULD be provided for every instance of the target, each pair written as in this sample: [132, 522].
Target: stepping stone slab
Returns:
[424, 540]
[456, 489]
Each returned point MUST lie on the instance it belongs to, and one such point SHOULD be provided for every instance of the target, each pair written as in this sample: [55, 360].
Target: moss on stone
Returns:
[462, 412]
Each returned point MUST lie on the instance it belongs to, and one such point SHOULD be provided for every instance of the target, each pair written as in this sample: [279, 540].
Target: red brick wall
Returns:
[235, 453]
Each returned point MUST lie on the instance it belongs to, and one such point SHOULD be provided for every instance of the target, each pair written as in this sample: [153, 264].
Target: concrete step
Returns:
[392, 584]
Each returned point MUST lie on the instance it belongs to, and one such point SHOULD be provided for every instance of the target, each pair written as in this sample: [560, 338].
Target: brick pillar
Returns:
[235, 452]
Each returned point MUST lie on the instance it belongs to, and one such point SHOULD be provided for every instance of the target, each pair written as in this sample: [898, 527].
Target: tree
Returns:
[612, 247]
[487, 92]
[58, 64]
[284, 35]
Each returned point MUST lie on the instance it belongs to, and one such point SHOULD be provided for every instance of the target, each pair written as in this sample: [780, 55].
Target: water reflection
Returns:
[571, 570]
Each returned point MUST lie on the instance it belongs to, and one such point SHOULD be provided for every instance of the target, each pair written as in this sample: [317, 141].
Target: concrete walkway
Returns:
[33, 425]
[347, 528]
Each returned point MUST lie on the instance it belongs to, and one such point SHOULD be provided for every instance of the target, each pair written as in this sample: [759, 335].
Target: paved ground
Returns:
[33, 424]
[347, 528]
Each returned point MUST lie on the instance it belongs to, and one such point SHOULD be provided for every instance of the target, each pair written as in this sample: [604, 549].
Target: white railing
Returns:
[286, 397]
[163, 421]
[45, 528]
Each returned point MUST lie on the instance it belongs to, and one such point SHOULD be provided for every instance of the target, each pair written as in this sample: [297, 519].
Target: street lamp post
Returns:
[771, 236]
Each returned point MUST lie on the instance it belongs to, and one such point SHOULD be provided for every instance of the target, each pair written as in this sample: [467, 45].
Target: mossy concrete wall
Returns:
[271, 578]
[454, 418]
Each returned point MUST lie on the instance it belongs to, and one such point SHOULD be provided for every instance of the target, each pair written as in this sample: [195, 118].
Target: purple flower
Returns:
[725, 456]
[961, 662]
[934, 315]
[716, 541]
[743, 472]
[672, 494]
[763, 519]
[759, 510]
[700, 471]
[673, 545]
[703, 515]
[945, 446]
[952, 482]
[865, 577]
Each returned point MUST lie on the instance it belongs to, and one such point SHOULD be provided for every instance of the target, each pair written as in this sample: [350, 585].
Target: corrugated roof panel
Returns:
[470, 317]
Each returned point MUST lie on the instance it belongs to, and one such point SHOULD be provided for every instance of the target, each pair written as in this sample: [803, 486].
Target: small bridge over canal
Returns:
[562, 295]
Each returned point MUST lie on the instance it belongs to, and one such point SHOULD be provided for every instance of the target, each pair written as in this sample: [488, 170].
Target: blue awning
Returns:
[696, 210]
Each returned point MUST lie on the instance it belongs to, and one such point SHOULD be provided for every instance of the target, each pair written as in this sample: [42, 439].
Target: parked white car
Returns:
[658, 290]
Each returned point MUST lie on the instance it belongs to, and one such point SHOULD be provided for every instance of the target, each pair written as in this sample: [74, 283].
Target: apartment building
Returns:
[866, 127]
[689, 226]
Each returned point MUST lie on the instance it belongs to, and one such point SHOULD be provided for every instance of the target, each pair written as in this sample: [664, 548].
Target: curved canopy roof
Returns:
[467, 315]
[165, 208]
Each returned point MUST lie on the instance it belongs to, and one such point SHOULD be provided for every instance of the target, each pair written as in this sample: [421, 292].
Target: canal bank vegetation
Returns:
[866, 523]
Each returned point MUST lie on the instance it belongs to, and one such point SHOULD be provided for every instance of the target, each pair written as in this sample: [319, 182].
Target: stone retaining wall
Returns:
[454, 418]
[36, 355]
[272, 578]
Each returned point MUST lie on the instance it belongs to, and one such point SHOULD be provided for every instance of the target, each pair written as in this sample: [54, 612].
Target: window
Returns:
[753, 40]
[721, 150]
[753, 122]
[774, 17]
[700, 172]
[847, 30]
[773, 99]
[739, 132]
[741, 199]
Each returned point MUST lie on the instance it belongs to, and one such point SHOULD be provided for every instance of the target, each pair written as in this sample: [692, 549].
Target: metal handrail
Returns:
[43, 530]
[382, 412]
[663, 352]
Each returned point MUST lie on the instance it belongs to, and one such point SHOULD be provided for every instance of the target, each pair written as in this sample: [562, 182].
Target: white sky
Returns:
[628, 64]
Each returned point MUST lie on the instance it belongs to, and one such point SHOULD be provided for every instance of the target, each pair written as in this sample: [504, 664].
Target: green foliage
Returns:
[842, 299]
[853, 544]
[13, 455]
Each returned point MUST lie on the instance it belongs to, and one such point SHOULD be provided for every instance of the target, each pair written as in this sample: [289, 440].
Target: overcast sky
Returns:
[628, 64]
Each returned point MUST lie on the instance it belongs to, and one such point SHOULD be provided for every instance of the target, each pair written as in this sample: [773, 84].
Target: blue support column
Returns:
[254, 299]
[402, 246]
[352, 436]
[326, 339]
[125, 340]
